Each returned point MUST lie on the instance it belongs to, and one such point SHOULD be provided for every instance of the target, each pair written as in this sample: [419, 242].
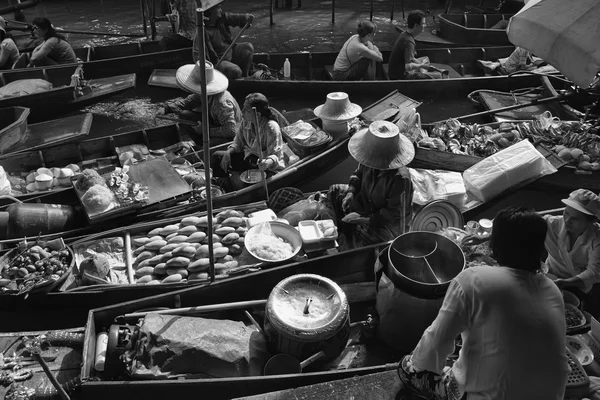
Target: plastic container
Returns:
[101, 346]
[287, 69]
[24, 219]
[260, 217]
[310, 232]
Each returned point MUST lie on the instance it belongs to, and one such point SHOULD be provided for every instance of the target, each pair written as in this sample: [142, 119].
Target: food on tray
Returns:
[305, 133]
[97, 198]
[87, 179]
[270, 247]
[127, 191]
[327, 228]
[22, 271]
[96, 265]
[573, 316]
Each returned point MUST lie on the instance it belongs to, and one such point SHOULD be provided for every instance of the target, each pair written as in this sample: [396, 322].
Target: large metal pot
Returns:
[423, 263]
[305, 314]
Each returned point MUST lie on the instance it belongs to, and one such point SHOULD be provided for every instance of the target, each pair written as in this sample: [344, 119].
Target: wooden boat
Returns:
[473, 29]
[566, 179]
[64, 95]
[312, 75]
[574, 108]
[17, 136]
[131, 58]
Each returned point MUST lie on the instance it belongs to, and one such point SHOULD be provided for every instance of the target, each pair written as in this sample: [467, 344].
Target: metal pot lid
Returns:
[307, 307]
[436, 215]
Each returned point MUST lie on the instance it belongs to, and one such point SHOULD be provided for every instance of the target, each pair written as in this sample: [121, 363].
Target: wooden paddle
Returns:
[232, 43]
[263, 173]
[178, 120]
[128, 261]
[28, 27]
[203, 309]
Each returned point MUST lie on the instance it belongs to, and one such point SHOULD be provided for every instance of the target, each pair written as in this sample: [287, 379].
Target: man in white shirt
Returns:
[511, 319]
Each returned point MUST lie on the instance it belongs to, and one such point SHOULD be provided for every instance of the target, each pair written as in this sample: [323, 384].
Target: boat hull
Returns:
[473, 29]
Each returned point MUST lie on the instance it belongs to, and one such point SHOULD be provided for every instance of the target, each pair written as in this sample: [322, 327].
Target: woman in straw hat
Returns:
[9, 53]
[259, 136]
[357, 55]
[573, 245]
[377, 200]
[225, 116]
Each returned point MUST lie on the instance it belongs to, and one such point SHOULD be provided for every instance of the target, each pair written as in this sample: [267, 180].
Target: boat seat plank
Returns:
[452, 72]
[378, 386]
[83, 53]
[163, 78]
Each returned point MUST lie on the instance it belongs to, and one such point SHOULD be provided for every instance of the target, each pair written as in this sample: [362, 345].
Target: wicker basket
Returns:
[303, 151]
[43, 287]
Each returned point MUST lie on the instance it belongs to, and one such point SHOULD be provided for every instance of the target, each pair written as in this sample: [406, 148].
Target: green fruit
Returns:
[565, 154]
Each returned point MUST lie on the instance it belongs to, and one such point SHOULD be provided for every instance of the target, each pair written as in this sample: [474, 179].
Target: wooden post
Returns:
[271, 13]
[371, 13]
[332, 12]
[205, 135]
[393, 8]
[153, 20]
[143, 9]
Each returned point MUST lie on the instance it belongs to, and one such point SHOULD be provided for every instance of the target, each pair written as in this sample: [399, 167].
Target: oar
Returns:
[98, 33]
[203, 309]
[178, 120]
[232, 43]
[263, 173]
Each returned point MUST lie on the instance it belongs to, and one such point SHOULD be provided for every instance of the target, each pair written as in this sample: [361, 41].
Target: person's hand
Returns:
[161, 111]
[172, 18]
[560, 283]
[249, 18]
[355, 218]
[472, 240]
[265, 164]
[226, 161]
[347, 201]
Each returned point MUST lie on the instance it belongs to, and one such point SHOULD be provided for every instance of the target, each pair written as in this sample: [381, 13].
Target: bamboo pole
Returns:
[202, 309]
[206, 138]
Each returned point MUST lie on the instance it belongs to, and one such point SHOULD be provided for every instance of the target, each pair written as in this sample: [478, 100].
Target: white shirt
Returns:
[351, 52]
[513, 327]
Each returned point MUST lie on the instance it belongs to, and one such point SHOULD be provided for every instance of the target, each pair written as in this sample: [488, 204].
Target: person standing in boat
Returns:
[376, 202]
[54, 49]
[254, 139]
[356, 60]
[183, 20]
[403, 63]
[217, 35]
[512, 322]
[9, 52]
[225, 116]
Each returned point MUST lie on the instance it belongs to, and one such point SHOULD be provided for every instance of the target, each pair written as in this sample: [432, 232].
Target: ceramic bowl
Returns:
[44, 171]
[580, 350]
[43, 181]
[284, 231]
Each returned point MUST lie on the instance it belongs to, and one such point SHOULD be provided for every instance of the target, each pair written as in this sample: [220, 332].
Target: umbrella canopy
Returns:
[564, 33]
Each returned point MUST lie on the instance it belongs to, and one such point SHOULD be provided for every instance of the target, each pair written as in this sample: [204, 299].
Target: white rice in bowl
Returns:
[269, 247]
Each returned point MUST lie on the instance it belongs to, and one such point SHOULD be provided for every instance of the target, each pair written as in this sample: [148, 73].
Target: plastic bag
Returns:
[516, 165]
[300, 211]
[410, 125]
[5, 187]
[437, 185]
[24, 87]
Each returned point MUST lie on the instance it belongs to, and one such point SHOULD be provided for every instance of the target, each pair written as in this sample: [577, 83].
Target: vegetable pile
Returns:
[180, 251]
[576, 142]
[32, 267]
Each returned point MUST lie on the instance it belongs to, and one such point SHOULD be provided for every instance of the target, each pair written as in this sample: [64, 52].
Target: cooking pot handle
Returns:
[9, 197]
[379, 267]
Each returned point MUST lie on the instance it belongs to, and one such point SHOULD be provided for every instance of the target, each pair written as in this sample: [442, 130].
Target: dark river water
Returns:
[135, 109]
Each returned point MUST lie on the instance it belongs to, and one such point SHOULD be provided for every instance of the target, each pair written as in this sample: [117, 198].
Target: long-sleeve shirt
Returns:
[9, 53]
[271, 142]
[583, 260]
[218, 38]
[377, 194]
[184, 12]
[225, 116]
[512, 324]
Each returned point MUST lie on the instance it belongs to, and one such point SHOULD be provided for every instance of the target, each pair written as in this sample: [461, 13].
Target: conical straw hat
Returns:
[337, 107]
[188, 78]
[381, 146]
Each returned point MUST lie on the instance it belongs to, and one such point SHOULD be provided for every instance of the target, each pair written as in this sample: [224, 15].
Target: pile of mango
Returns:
[180, 251]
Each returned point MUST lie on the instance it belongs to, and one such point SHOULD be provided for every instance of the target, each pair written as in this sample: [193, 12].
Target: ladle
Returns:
[281, 364]
[424, 257]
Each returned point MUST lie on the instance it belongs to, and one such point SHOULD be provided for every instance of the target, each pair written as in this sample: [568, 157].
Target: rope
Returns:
[520, 92]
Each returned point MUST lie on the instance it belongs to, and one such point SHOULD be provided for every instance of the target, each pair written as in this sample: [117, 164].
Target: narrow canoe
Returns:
[28, 137]
[575, 108]
[311, 73]
[63, 96]
[131, 58]
[473, 29]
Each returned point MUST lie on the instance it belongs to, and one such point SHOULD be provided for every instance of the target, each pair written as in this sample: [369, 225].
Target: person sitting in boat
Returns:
[519, 60]
[356, 60]
[183, 20]
[377, 200]
[225, 116]
[9, 53]
[54, 49]
[217, 35]
[403, 63]
[258, 142]
[512, 322]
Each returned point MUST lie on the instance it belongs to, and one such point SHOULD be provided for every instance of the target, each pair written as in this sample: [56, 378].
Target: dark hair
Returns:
[45, 23]
[365, 27]
[414, 18]
[518, 238]
[261, 103]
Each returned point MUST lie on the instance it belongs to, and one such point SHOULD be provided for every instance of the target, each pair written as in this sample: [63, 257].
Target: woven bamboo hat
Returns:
[337, 107]
[584, 201]
[188, 78]
[381, 146]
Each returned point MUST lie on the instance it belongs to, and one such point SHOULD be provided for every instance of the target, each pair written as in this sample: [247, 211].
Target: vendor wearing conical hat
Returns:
[376, 202]
[225, 115]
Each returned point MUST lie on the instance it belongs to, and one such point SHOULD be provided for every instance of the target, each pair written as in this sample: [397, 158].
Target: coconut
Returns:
[65, 173]
[44, 171]
[31, 177]
[96, 265]
[585, 165]
[55, 172]
[74, 167]
[565, 154]
[576, 153]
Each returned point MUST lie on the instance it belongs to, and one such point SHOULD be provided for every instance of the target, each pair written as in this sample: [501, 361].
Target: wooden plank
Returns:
[378, 386]
[163, 180]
